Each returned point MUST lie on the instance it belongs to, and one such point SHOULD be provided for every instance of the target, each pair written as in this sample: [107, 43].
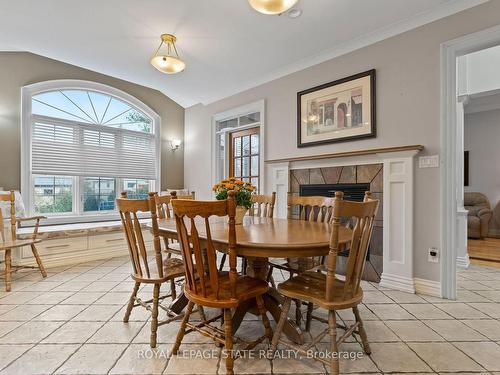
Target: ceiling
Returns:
[227, 46]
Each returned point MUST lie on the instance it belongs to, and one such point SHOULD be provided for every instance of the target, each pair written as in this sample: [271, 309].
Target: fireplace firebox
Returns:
[352, 192]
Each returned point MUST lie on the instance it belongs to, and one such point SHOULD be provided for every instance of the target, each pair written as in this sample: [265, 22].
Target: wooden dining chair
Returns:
[9, 241]
[164, 209]
[191, 195]
[329, 292]
[318, 209]
[262, 206]
[204, 284]
[148, 265]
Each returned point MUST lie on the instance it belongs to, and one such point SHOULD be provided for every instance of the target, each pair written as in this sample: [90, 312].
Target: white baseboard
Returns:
[428, 287]
[463, 262]
[404, 284]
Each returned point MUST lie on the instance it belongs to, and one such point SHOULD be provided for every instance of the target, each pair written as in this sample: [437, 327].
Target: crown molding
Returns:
[444, 10]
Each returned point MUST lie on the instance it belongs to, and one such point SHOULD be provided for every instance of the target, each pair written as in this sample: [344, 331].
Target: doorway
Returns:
[454, 228]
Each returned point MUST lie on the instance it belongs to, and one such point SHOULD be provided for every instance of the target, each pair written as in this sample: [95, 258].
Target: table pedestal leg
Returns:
[258, 268]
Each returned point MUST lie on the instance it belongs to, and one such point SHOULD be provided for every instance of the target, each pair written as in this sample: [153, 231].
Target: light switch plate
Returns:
[431, 161]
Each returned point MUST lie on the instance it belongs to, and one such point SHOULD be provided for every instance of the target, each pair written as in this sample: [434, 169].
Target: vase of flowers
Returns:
[243, 195]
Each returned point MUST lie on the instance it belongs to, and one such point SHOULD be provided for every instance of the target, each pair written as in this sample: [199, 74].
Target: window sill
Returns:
[97, 219]
[74, 230]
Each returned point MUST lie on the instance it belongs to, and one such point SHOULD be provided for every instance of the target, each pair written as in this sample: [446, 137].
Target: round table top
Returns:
[268, 237]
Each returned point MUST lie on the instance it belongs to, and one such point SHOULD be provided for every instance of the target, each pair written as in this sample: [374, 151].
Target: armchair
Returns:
[10, 207]
[479, 214]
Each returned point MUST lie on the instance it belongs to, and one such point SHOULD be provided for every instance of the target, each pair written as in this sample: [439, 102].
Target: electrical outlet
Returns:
[433, 255]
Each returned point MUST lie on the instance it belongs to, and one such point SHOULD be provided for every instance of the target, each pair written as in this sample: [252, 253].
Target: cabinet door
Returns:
[57, 246]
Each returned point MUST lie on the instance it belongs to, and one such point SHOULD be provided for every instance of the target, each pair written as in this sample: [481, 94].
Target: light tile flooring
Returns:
[71, 323]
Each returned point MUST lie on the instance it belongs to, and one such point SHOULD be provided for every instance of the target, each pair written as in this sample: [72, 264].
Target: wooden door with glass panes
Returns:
[244, 157]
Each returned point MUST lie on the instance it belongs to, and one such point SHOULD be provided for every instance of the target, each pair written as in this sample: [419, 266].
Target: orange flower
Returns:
[215, 187]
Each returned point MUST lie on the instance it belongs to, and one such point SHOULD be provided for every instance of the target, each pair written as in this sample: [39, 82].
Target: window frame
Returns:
[258, 106]
[27, 120]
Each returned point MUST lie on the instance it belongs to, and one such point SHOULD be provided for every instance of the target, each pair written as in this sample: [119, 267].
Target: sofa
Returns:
[479, 214]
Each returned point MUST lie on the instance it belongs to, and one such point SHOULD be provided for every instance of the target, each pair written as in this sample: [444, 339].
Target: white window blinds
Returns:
[73, 149]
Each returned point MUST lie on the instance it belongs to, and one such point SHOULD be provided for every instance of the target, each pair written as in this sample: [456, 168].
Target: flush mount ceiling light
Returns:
[170, 62]
[272, 7]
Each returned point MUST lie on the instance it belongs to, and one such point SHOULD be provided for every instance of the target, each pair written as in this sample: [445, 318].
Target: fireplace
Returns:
[352, 192]
[353, 181]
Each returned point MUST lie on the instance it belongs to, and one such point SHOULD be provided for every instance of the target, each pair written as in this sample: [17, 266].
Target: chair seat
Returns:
[311, 287]
[295, 265]
[172, 268]
[246, 288]
[18, 243]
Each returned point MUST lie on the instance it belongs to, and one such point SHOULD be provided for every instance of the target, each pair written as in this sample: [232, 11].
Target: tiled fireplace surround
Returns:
[391, 176]
[369, 173]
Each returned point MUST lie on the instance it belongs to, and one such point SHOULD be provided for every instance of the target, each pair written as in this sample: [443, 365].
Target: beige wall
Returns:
[18, 69]
[408, 112]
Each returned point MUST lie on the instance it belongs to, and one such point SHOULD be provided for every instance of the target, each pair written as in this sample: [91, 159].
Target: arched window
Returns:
[84, 143]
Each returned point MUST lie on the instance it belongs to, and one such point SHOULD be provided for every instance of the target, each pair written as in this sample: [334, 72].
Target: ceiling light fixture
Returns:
[272, 7]
[170, 62]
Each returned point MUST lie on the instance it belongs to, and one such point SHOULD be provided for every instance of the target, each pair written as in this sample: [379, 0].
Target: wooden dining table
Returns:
[257, 240]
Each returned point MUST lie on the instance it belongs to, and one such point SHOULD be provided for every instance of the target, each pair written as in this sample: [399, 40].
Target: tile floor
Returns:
[70, 323]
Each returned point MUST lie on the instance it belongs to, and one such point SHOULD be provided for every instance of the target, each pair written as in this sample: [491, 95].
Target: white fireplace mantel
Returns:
[397, 206]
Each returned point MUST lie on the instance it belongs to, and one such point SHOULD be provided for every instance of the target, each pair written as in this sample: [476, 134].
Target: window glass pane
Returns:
[246, 167]
[254, 142]
[136, 188]
[250, 118]
[255, 166]
[53, 194]
[237, 146]
[246, 145]
[99, 194]
[221, 152]
[92, 108]
[255, 182]
[231, 123]
[237, 167]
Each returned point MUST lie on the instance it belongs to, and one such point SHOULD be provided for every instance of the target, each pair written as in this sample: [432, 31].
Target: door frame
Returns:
[257, 106]
[452, 161]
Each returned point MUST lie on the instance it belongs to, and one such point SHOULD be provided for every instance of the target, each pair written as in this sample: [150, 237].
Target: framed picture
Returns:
[338, 111]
